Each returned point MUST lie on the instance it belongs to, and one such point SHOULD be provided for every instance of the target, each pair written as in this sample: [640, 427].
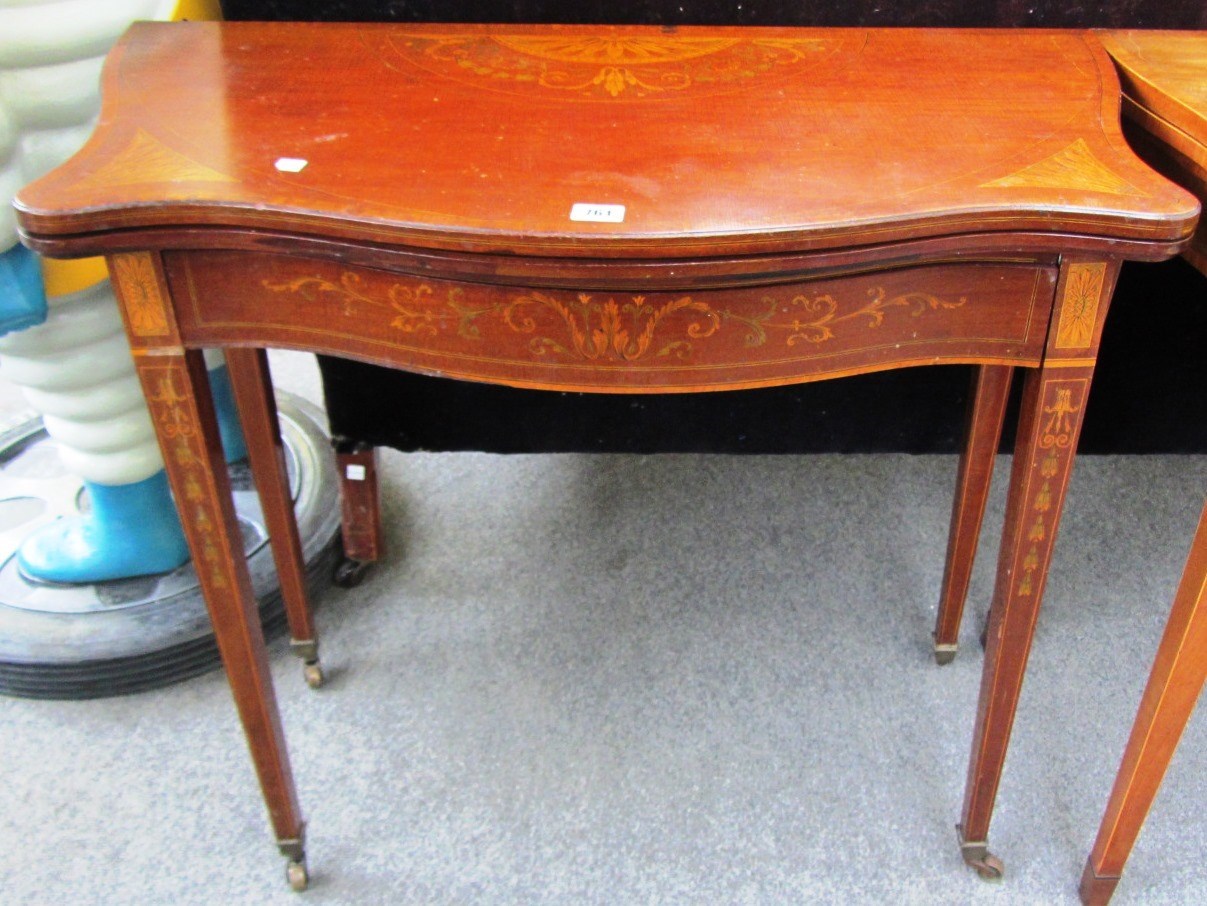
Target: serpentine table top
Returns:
[716, 141]
[616, 210]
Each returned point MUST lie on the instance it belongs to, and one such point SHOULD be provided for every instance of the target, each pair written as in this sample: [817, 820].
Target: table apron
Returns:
[619, 342]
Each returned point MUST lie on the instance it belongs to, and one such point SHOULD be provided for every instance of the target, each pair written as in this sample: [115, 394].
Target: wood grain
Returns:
[716, 141]
[798, 204]
[1164, 75]
[630, 342]
[1174, 685]
[982, 434]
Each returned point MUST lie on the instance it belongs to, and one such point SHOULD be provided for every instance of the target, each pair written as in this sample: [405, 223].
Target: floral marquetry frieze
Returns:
[596, 337]
[621, 327]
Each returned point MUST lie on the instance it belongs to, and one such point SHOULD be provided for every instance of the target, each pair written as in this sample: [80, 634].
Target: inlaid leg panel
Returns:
[178, 396]
[1053, 403]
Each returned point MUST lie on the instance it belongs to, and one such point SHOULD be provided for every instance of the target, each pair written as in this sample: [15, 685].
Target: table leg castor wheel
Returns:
[990, 868]
[349, 573]
[297, 876]
[313, 672]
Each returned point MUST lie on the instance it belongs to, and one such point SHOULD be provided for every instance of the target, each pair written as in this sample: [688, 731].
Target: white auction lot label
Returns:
[597, 213]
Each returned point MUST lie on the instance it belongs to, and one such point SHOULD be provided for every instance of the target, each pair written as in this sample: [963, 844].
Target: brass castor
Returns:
[944, 654]
[977, 856]
[296, 875]
[313, 672]
[349, 573]
[990, 868]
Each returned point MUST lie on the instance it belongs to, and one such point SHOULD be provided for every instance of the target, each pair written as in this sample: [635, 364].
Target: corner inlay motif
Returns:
[1073, 167]
[609, 328]
[148, 160]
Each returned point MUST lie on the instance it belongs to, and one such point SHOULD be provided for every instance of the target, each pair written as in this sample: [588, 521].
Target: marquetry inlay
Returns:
[1079, 306]
[1073, 167]
[1061, 406]
[140, 294]
[146, 161]
[621, 328]
[608, 66]
[171, 410]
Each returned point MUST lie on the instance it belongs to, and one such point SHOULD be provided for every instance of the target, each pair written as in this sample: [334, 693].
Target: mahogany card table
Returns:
[1164, 81]
[622, 210]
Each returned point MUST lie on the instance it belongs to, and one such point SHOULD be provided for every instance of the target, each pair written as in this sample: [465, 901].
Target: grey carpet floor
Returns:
[621, 680]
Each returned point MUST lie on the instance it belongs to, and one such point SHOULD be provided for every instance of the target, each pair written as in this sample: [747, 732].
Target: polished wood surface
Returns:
[1169, 698]
[798, 205]
[360, 510]
[1164, 77]
[1165, 73]
[994, 311]
[252, 386]
[1164, 80]
[982, 436]
[483, 138]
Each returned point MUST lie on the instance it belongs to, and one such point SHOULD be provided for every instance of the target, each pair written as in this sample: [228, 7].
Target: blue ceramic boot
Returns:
[233, 444]
[133, 530]
[22, 296]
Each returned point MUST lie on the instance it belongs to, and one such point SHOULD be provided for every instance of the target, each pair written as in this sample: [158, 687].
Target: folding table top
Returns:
[1166, 73]
[601, 142]
[1164, 82]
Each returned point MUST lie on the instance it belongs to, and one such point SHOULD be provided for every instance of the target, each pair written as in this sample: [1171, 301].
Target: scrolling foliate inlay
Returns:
[181, 438]
[608, 66]
[134, 273]
[609, 328]
[815, 317]
[1079, 306]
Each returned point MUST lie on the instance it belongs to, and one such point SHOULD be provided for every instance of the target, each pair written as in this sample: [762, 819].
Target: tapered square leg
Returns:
[1096, 890]
[982, 435]
[252, 385]
[176, 385]
[1169, 698]
[177, 394]
[1053, 407]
